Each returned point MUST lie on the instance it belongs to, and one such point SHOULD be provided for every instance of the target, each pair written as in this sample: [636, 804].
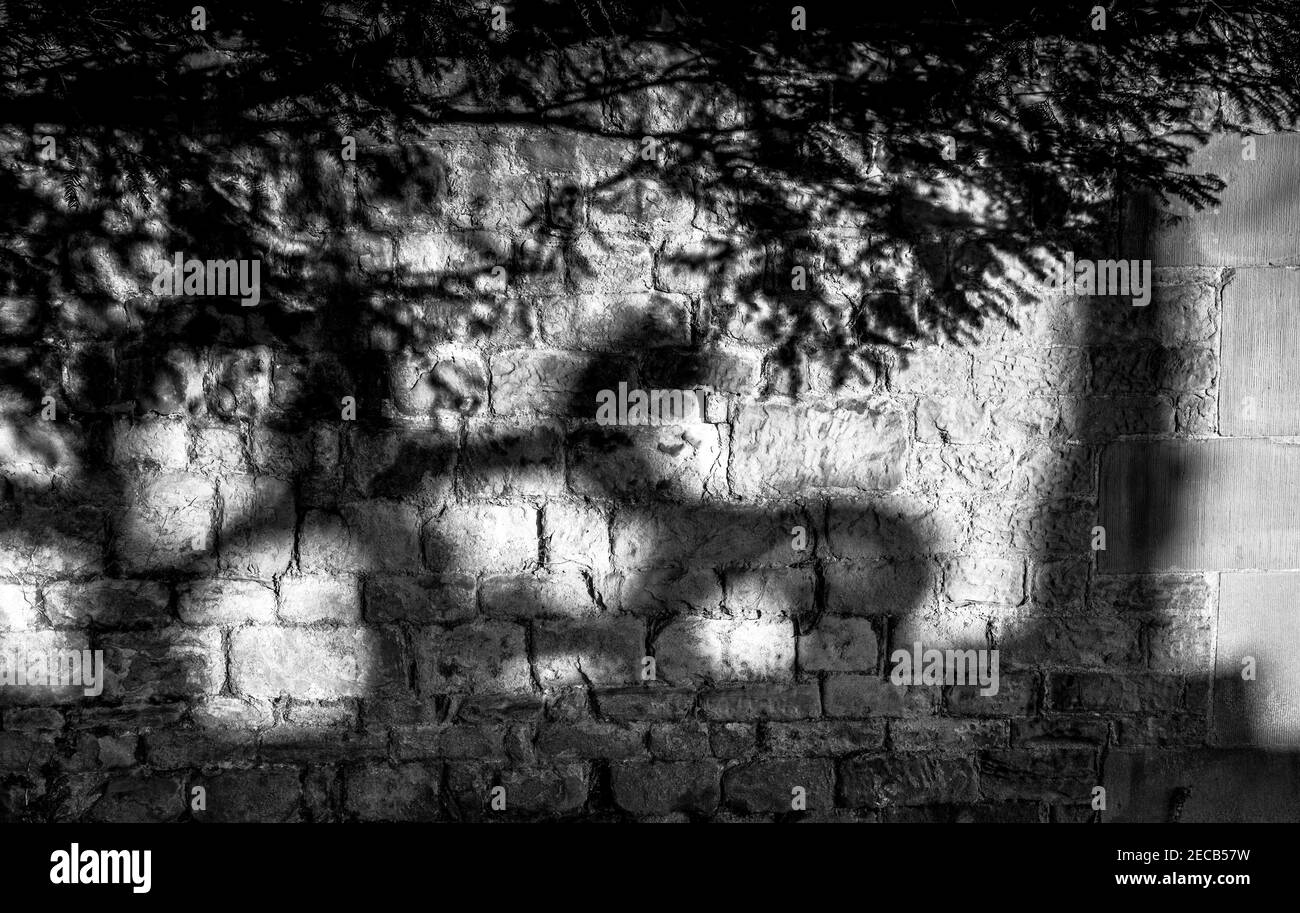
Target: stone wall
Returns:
[310, 615]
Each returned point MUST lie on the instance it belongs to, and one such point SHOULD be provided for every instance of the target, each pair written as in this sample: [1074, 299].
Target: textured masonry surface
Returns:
[316, 619]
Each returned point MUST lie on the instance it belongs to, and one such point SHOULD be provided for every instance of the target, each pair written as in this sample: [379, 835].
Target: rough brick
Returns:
[1111, 693]
[402, 792]
[420, 600]
[839, 645]
[652, 591]
[168, 525]
[139, 799]
[311, 664]
[542, 595]
[705, 536]
[627, 322]
[505, 459]
[1051, 775]
[684, 741]
[1017, 696]
[257, 522]
[309, 600]
[18, 607]
[659, 789]
[877, 588]
[365, 537]
[477, 657]
[603, 652]
[576, 538]
[226, 602]
[944, 734]
[718, 649]
[823, 738]
[877, 780]
[411, 466]
[688, 462]
[780, 450]
[174, 662]
[768, 786]
[732, 740]
[482, 536]
[642, 702]
[978, 579]
[869, 695]
[555, 790]
[894, 527]
[459, 742]
[109, 603]
[760, 701]
[265, 795]
[552, 382]
[591, 739]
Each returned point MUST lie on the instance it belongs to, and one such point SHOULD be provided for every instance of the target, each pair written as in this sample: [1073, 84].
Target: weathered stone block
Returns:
[619, 321]
[643, 788]
[502, 459]
[839, 645]
[475, 657]
[107, 603]
[679, 461]
[722, 649]
[877, 588]
[174, 662]
[762, 701]
[781, 449]
[312, 664]
[711, 536]
[592, 739]
[820, 738]
[268, 794]
[367, 536]
[478, 537]
[168, 525]
[402, 792]
[553, 382]
[420, 600]
[681, 741]
[858, 696]
[309, 600]
[769, 787]
[562, 594]
[944, 734]
[980, 579]
[604, 652]
[226, 602]
[1053, 775]
[877, 781]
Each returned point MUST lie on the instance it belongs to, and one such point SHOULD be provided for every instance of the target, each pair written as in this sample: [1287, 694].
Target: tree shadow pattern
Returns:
[918, 169]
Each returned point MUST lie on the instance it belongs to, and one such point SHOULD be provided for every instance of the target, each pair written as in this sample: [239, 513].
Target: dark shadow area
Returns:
[855, 191]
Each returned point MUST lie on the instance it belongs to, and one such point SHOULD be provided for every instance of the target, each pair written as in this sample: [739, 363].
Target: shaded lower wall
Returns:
[309, 618]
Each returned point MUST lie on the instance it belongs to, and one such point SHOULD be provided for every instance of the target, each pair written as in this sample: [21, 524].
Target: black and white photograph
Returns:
[445, 414]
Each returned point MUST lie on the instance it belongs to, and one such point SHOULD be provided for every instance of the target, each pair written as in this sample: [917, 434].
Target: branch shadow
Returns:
[353, 310]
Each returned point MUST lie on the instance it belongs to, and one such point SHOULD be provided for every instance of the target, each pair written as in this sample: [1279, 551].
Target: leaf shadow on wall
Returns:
[346, 312]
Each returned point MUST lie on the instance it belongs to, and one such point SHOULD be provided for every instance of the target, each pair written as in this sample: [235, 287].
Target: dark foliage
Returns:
[915, 161]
